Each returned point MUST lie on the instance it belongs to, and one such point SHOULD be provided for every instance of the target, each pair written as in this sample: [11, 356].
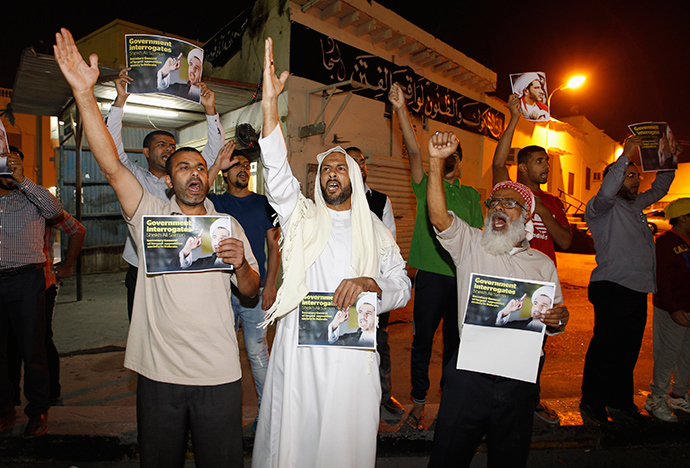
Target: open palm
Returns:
[80, 75]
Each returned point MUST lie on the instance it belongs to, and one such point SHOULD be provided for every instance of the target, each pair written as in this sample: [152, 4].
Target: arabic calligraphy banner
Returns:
[228, 41]
[318, 57]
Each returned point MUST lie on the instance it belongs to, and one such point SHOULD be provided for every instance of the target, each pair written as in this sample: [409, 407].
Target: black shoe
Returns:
[7, 420]
[628, 415]
[37, 426]
[393, 406]
[594, 414]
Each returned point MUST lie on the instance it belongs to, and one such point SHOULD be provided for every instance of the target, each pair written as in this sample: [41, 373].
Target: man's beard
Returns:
[626, 193]
[502, 242]
[337, 199]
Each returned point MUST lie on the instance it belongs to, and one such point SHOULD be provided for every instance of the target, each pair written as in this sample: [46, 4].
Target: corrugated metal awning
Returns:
[40, 89]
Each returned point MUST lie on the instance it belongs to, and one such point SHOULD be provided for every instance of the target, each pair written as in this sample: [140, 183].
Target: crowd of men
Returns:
[321, 405]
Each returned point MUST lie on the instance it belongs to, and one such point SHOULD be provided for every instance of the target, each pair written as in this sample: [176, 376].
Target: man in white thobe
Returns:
[321, 405]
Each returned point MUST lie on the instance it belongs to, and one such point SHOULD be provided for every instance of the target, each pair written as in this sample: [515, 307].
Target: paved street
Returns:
[98, 419]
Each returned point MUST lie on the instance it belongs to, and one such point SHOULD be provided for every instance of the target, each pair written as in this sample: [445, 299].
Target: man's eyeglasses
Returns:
[634, 175]
[505, 202]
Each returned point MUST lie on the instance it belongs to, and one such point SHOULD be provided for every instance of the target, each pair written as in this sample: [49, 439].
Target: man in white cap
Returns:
[531, 87]
[475, 404]
[220, 229]
[366, 319]
[671, 309]
[192, 88]
[321, 405]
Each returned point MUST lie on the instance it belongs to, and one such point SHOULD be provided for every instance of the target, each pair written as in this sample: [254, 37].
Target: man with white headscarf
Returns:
[475, 404]
[190, 89]
[531, 87]
[320, 405]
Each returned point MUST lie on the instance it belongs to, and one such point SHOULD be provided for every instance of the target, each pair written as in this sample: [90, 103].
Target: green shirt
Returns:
[425, 251]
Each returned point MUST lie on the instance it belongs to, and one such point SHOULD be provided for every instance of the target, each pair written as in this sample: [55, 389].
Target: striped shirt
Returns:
[68, 225]
[22, 224]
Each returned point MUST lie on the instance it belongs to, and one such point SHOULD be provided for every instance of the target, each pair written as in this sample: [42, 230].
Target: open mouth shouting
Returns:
[194, 186]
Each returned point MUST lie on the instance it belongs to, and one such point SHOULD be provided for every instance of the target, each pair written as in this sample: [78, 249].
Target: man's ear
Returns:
[168, 180]
[528, 215]
[146, 152]
[522, 168]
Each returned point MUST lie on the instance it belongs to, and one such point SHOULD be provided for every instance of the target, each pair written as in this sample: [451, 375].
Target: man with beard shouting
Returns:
[475, 404]
[551, 226]
[182, 339]
[321, 405]
[618, 287]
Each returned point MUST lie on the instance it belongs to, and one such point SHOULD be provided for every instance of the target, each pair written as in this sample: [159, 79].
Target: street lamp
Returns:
[574, 82]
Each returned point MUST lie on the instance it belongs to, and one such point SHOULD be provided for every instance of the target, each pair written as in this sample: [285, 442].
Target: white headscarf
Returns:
[308, 233]
[524, 81]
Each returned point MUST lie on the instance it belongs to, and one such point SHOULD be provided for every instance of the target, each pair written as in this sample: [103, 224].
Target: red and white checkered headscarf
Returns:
[526, 194]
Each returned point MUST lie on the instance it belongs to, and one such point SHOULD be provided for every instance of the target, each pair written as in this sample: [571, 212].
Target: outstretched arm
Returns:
[414, 151]
[82, 77]
[500, 171]
[441, 145]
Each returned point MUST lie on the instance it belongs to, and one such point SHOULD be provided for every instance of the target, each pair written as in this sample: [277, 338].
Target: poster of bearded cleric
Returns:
[502, 331]
[531, 87]
[322, 324]
[184, 244]
[164, 65]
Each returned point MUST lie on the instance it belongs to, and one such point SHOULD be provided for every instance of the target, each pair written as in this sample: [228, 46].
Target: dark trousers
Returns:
[384, 350]
[52, 357]
[474, 405]
[167, 412]
[22, 313]
[435, 298]
[131, 284]
[620, 315]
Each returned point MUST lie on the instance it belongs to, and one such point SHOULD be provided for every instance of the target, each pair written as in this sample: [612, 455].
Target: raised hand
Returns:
[631, 143]
[397, 97]
[81, 76]
[273, 84]
[121, 82]
[442, 145]
[208, 99]
[514, 106]
[192, 243]
[171, 64]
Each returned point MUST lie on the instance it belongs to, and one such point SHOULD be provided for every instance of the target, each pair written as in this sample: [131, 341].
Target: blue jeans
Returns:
[254, 339]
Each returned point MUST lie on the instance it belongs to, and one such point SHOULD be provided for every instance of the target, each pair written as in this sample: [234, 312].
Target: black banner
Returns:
[328, 61]
[228, 41]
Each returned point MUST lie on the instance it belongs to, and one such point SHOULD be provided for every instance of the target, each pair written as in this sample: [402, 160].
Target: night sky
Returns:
[635, 54]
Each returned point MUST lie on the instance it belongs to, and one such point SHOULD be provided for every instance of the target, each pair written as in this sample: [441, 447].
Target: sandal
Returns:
[416, 423]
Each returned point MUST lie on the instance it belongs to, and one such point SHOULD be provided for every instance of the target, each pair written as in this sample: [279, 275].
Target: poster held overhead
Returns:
[659, 149]
[531, 87]
[164, 65]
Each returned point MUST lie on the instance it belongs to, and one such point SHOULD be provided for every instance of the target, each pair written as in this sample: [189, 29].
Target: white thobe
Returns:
[320, 406]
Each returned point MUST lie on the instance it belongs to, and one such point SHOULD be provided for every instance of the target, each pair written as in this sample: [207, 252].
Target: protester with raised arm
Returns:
[182, 339]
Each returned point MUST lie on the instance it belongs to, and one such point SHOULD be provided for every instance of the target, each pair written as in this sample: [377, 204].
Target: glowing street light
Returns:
[574, 82]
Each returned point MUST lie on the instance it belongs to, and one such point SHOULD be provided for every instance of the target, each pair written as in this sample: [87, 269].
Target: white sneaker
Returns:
[657, 406]
[682, 404]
